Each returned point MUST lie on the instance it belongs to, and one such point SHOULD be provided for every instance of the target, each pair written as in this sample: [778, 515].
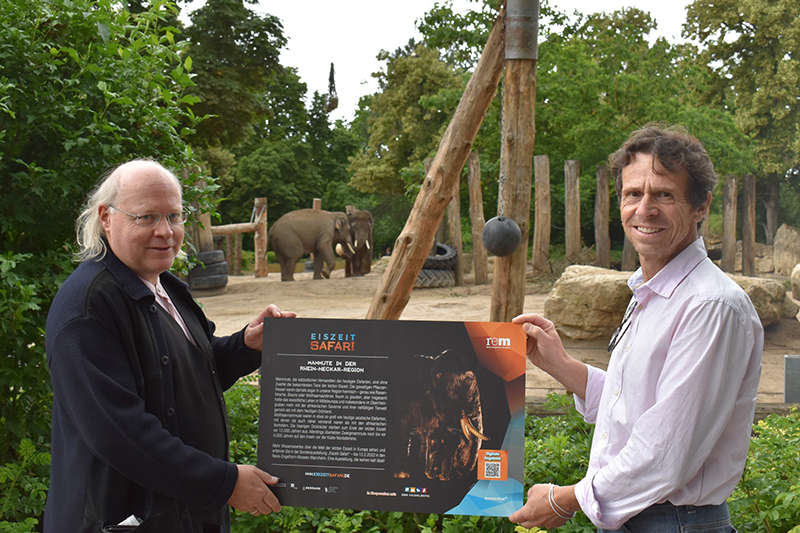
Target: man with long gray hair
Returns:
[140, 433]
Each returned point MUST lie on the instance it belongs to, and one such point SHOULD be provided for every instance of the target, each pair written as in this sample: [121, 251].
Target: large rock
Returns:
[763, 257]
[588, 302]
[767, 296]
[796, 282]
[786, 250]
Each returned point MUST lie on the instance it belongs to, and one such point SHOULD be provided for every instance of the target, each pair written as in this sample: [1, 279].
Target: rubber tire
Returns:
[431, 278]
[213, 274]
[445, 258]
[211, 269]
[209, 282]
[211, 256]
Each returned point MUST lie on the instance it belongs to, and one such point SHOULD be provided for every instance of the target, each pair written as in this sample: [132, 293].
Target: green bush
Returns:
[767, 498]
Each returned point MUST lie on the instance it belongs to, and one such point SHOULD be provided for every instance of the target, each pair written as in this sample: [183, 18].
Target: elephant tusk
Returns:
[368, 246]
[352, 250]
[468, 429]
[339, 250]
[356, 243]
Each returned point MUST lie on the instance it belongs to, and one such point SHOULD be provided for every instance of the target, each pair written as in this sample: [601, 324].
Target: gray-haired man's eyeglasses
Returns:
[151, 220]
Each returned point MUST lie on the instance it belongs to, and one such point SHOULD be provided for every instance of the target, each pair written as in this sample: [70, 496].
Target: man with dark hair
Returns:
[140, 433]
[674, 410]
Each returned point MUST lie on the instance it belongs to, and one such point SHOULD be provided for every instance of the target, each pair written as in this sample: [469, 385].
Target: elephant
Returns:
[361, 233]
[306, 231]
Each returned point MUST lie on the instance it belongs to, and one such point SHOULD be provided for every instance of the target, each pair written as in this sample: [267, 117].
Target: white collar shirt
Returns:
[673, 412]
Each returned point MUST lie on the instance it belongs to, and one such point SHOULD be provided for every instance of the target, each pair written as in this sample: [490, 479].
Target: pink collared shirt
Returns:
[163, 299]
[673, 412]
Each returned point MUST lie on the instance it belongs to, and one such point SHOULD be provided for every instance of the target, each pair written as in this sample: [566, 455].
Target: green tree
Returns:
[404, 120]
[235, 53]
[84, 85]
[753, 48]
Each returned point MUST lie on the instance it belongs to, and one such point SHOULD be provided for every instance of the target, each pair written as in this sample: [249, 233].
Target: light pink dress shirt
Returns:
[673, 412]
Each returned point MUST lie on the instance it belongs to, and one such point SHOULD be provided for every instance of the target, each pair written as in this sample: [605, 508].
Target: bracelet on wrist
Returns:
[557, 509]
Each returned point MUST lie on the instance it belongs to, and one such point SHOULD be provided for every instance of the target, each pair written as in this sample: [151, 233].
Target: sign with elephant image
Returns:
[414, 416]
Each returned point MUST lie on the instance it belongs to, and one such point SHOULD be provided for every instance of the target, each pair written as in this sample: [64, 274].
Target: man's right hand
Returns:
[251, 494]
[546, 351]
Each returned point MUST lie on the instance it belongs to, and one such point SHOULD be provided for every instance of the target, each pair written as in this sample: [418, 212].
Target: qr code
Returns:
[491, 470]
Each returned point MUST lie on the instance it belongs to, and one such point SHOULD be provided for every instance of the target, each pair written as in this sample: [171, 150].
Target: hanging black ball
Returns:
[501, 235]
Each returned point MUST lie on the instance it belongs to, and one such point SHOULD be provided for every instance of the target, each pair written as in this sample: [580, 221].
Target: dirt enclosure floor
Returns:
[340, 297]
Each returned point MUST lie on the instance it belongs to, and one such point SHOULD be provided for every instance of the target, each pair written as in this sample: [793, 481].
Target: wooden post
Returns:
[414, 242]
[516, 154]
[629, 256]
[477, 220]
[316, 203]
[261, 268]
[728, 262]
[602, 238]
[454, 232]
[572, 210]
[229, 254]
[235, 261]
[541, 228]
[749, 226]
[205, 240]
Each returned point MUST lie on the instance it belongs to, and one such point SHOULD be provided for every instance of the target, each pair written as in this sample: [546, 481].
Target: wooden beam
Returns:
[602, 237]
[415, 241]
[231, 229]
[541, 229]
[261, 268]
[749, 226]
[728, 262]
[477, 220]
[454, 232]
[516, 153]
[572, 210]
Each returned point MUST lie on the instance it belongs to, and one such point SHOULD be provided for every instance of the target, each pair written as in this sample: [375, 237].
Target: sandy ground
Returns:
[340, 297]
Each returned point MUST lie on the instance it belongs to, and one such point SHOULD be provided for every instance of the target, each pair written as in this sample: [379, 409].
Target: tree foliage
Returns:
[404, 121]
[754, 49]
[235, 53]
[84, 85]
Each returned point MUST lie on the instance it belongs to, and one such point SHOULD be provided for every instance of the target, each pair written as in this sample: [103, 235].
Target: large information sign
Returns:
[394, 415]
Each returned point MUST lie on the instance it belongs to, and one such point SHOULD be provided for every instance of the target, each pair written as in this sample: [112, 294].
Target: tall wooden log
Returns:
[728, 262]
[541, 228]
[602, 238]
[629, 257]
[479, 256]
[205, 239]
[454, 232]
[415, 241]
[572, 210]
[749, 226]
[261, 268]
[235, 260]
[316, 203]
[516, 154]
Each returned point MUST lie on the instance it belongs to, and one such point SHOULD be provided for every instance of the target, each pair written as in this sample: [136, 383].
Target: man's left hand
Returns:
[254, 333]
[536, 511]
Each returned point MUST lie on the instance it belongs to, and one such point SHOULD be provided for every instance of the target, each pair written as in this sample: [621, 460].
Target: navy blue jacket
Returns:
[116, 450]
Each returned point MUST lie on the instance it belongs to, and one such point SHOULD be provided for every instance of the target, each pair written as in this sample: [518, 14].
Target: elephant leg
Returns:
[287, 268]
[327, 263]
[319, 271]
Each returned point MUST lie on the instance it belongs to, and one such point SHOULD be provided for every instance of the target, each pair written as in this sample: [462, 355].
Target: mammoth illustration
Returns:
[442, 431]
[310, 231]
[361, 233]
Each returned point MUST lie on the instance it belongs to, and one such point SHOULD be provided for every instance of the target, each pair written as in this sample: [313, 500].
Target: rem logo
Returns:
[498, 342]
